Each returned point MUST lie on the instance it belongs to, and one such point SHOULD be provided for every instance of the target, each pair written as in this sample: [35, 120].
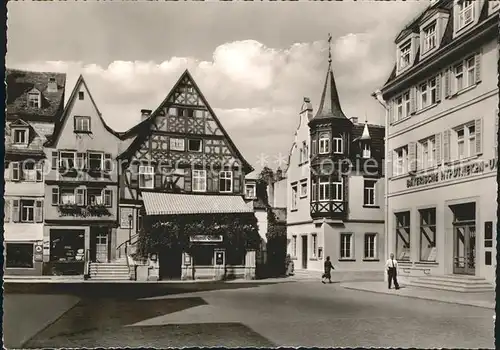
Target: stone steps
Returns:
[109, 271]
[465, 284]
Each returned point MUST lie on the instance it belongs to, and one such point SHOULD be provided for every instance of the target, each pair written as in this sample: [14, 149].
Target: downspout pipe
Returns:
[378, 96]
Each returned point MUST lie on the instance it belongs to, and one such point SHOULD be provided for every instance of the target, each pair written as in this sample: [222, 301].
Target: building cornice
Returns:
[441, 57]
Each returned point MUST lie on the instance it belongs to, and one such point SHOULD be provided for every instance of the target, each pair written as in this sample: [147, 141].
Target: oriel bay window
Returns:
[337, 145]
[330, 188]
[324, 143]
[428, 234]
[403, 236]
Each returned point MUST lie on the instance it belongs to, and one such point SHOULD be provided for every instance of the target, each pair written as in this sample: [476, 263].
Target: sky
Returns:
[254, 62]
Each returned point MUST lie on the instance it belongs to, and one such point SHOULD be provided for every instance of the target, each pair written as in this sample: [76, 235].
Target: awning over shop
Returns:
[17, 232]
[174, 203]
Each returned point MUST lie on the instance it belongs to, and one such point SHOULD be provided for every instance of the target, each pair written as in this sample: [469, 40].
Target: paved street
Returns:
[283, 314]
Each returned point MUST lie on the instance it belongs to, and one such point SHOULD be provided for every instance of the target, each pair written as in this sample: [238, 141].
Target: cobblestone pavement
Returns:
[286, 314]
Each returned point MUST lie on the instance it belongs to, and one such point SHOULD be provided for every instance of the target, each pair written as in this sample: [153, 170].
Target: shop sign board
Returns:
[38, 256]
[453, 172]
[205, 238]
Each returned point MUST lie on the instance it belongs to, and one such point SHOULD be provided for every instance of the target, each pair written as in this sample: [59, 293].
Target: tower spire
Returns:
[329, 106]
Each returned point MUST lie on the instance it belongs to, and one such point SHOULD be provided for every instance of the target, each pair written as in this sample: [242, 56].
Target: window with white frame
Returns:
[20, 136]
[336, 190]
[250, 190]
[67, 160]
[34, 99]
[324, 143]
[27, 210]
[226, 181]
[428, 93]
[314, 245]
[29, 172]
[82, 124]
[176, 144]
[428, 152]
[366, 150]
[303, 188]
[95, 160]
[199, 180]
[465, 74]
[346, 251]
[369, 192]
[466, 141]
[404, 55]
[402, 104]
[324, 188]
[370, 245]
[194, 145]
[401, 160]
[337, 145]
[429, 37]
[66, 196]
[465, 13]
[294, 197]
[146, 176]
[94, 196]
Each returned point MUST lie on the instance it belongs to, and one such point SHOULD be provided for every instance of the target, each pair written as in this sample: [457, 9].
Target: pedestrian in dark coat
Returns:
[328, 268]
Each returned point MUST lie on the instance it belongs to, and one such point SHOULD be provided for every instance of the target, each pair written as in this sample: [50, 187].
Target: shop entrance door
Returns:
[464, 239]
[101, 247]
[464, 249]
[170, 263]
[304, 252]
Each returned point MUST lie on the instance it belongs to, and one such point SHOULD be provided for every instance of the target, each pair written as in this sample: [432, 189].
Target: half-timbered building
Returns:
[181, 162]
[81, 188]
[335, 183]
[34, 103]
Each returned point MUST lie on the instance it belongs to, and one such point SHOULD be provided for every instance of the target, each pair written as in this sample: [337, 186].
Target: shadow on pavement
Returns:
[133, 290]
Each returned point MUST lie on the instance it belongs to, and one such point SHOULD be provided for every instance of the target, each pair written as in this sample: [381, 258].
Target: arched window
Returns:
[324, 143]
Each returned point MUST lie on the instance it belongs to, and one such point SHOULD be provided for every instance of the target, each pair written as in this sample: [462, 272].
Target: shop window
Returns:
[403, 236]
[235, 257]
[428, 234]
[203, 256]
[346, 251]
[19, 255]
[67, 245]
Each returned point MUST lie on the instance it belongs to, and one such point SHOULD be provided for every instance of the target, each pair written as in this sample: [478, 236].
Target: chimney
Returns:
[354, 120]
[145, 113]
[52, 85]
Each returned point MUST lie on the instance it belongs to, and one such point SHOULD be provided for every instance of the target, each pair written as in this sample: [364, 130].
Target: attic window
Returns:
[82, 124]
[429, 37]
[21, 136]
[81, 95]
[465, 13]
[404, 55]
[34, 99]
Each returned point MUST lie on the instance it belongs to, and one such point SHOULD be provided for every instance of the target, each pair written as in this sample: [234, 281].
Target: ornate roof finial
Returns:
[329, 48]
[366, 118]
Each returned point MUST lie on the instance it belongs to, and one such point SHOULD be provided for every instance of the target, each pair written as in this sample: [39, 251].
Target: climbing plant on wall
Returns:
[239, 231]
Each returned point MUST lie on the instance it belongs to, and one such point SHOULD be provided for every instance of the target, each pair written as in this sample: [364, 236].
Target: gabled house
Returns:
[81, 187]
[441, 143]
[181, 162]
[34, 104]
[335, 186]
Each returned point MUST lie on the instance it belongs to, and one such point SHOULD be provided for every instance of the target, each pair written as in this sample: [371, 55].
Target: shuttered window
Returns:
[39, 210]
[7, 210]
[15, 210]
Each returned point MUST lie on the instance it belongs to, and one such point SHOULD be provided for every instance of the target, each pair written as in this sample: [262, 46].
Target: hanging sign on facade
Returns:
[205, 238]
[453, 172]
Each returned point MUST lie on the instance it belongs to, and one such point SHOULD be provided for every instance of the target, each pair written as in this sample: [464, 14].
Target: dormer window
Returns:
[34, 99]
[430, 37]
[20, 136]
[251, 190]
[404, 55]
[465, 13]
[324, 144]
[366, 150]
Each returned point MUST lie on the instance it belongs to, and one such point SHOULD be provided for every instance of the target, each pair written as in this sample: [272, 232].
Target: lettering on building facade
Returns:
[205, 238]
[453, 172]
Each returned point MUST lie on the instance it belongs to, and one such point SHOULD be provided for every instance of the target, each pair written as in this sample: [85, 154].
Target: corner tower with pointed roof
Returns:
[336, 189]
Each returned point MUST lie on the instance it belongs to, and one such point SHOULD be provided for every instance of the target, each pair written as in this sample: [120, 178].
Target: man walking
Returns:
[392, 267]
[328, 268]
